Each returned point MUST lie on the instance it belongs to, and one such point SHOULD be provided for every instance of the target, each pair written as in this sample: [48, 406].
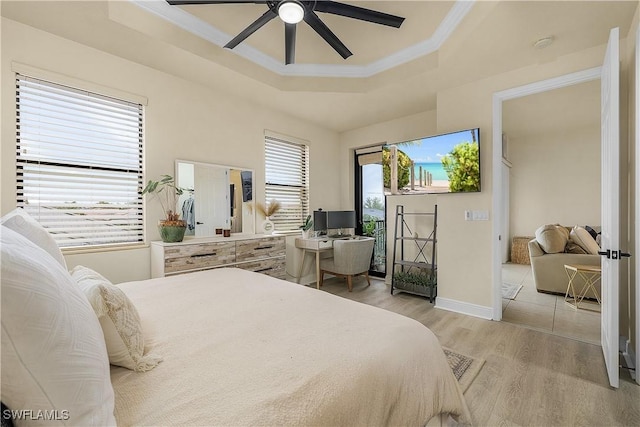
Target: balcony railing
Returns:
[379, 259]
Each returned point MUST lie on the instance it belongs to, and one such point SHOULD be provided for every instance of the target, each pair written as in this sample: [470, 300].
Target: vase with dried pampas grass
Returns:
[267, 211]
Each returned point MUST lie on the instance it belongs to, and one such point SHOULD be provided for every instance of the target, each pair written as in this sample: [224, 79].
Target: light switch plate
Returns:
[476, 215]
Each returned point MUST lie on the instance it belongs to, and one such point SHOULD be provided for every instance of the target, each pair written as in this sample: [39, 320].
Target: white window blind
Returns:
[79, 163]
[287, 181]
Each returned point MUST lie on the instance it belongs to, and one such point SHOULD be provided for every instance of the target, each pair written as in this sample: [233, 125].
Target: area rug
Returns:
[510, 291]
[465, 368]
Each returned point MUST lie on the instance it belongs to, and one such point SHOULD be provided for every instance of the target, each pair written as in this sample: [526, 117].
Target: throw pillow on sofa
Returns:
[574, 248]
[583, 239]
[552, 238]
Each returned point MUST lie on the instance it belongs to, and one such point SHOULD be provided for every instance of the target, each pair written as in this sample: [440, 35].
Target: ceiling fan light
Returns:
[291, 11]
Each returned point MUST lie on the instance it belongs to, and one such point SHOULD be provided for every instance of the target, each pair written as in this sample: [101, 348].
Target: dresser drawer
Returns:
[274, 267]
[198, 256]
[255, 249]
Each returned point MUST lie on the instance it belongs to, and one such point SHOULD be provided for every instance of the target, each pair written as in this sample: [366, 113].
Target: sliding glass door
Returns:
[370, 204]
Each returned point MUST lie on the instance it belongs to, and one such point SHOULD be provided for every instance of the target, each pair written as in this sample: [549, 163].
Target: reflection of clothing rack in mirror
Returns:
[188, 213]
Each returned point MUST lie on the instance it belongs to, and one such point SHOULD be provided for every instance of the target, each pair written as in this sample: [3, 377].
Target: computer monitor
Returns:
[341, 219]
[320, 221]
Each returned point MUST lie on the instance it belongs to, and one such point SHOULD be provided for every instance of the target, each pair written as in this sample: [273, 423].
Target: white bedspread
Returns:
[242, 348]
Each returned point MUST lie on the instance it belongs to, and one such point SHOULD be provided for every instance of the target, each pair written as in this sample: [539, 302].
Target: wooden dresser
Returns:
[255, 252]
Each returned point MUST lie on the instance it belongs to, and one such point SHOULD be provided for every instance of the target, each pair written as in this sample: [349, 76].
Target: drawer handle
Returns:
[201, 255]
[264, 247]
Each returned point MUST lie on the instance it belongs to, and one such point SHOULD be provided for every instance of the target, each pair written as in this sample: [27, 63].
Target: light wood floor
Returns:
[530, 378]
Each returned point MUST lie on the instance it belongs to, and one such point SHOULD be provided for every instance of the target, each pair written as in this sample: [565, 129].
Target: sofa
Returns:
[555, 246]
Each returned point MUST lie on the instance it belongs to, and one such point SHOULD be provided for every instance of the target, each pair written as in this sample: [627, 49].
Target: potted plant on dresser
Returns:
[171, 228]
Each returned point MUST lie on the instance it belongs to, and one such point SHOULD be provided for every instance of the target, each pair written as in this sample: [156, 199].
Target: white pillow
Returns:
[552, 238]
[119, 320]
[53, 351]
[583, 239]
[21, 222]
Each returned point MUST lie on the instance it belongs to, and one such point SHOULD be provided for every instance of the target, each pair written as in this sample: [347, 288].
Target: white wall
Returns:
[182, 120]
[555, 179]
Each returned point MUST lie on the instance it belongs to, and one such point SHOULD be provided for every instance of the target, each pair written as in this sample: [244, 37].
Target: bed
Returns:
[242, 348]
[217, 347]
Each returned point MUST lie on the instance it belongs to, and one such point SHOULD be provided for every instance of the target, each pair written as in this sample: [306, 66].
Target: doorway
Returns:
[498, 207]
[370, 204]
[551, 167]
[610, 194]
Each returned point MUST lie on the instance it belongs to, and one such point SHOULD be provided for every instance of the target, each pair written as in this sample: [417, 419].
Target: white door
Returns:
[637, 204]
[610, 242]
[211, 206]
[506, 170]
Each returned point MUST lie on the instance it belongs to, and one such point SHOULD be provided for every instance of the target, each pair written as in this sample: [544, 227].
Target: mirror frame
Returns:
[252, 224]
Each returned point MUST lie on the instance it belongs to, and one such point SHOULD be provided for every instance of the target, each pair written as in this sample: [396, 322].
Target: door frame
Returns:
[498, 200]
[358, 201]
[637, 208]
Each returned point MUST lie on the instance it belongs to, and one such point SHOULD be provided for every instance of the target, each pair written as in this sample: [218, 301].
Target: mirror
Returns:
[215, 197]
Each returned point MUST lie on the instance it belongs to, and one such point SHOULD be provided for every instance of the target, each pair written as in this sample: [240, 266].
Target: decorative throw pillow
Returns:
[573, 248]
[53, 353]
[552, 238]
[594, 233]
[582, 238]
[21, 222]
[119, 320]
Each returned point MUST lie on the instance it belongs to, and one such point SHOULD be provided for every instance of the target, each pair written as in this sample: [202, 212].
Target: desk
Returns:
[316, 245]
[590, 275]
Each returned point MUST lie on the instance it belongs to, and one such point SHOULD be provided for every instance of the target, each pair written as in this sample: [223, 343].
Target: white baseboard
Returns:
[464, 308]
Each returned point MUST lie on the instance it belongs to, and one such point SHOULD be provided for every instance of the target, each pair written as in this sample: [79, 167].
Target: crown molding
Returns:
[208, 32]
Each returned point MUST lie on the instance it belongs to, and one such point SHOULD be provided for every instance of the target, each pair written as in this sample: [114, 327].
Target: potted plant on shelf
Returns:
[422, 283]
[171, 228]
[306, 227]
[268, 211]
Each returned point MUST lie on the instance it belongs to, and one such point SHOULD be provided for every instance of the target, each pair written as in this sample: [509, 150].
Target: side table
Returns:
[590, 275]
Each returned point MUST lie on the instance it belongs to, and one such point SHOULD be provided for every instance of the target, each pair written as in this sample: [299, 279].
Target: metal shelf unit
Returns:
[417, 275]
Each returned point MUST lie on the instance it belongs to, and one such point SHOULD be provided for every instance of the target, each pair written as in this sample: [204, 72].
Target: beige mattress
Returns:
[242, 348]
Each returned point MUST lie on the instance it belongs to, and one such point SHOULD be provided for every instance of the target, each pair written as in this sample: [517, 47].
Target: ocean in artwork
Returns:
[436, 169]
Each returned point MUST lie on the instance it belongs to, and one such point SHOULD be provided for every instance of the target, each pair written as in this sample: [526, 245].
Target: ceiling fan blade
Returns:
[256, 25]
[360, 13]
[289, 43]
[183, 2]
[314, 22]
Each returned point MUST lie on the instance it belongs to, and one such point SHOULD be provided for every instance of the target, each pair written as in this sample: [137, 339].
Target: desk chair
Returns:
[350, 258]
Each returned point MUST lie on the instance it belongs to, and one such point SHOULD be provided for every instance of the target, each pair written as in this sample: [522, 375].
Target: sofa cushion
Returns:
[574, 248]
[552, 238]
[583, 239]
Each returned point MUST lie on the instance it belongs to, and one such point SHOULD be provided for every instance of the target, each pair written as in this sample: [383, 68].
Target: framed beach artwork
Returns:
[448, 163]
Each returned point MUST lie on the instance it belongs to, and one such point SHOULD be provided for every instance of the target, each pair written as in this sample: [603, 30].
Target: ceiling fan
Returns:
[294, 11]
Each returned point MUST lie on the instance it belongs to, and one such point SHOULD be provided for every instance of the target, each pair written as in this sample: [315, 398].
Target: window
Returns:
[79, 163]
[287, 181]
